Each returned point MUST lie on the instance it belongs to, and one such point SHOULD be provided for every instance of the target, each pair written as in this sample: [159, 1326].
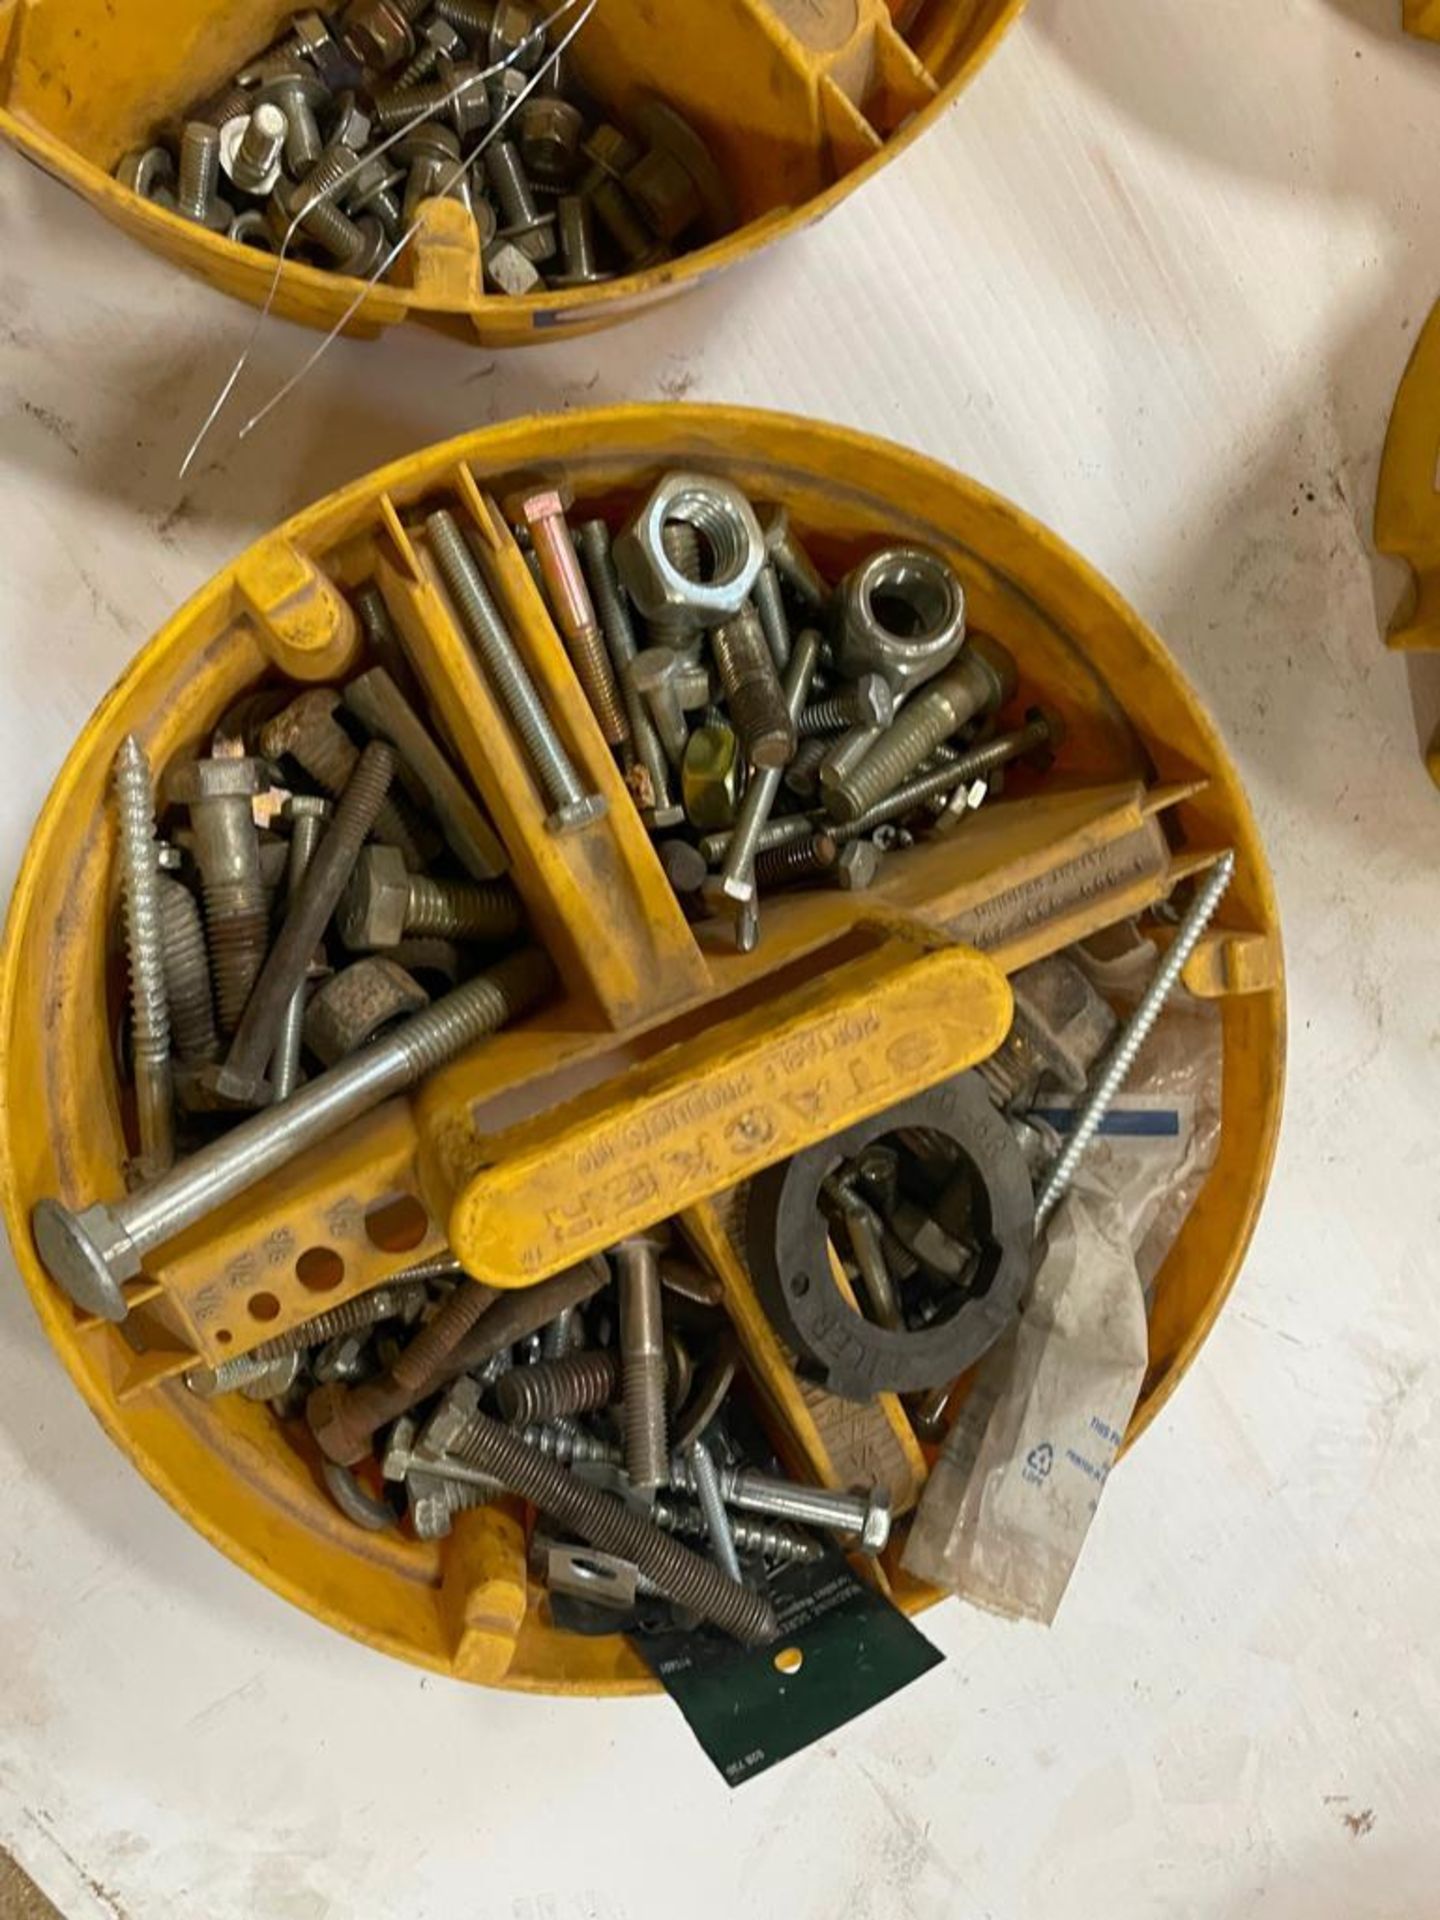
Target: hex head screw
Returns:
[572, 808]
[196, 195]
[383, 904]
[525, 226]
[218, 794]
[737, 879]
[753, 692]
[541, 511]
[144, 935]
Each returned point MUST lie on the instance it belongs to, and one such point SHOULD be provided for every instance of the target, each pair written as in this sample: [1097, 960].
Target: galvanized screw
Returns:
[766, 1540]
[396, 1299]
[642, 1348]
[570, 1446]
[307, 815]
[149, 1004]
[572, 807]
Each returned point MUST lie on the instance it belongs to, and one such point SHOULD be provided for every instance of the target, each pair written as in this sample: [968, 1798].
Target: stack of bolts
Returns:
[301, 139]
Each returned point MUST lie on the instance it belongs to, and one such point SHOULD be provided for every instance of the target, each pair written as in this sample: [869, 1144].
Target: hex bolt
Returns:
[802, 776]
[345, 1420]
[775, 833]
[866, 1515]
[379, 33]
[607, 1523]
[541, 511]
[571, 807]
[382, 904]
[307, 816]
[579, 264]
[436, 38]
[299, 96]
[252, 148]
[241, 1079]
[767, 1540]
[196, 195]
[218, 794]
[435, 1502]
[372, 191]
[862, 1227]
[770, 605]
[652, 674]
[93, 1252]
[796, 860]
[625, 224]
[145, 954]
[613, 611]
[308, 732]
[396, 1299]
[187, 976]
[550, 133]
[642, 1349]
[575, 1383]
[1122, 1056]
[857, 866]
[866, 702]
[611, 154]
[311, 201]
[845, 755]
[737, 878]
[975, 684]
[706, 1482]
[524, 224]
[787, 554]
[753, 691]
[1040, 733]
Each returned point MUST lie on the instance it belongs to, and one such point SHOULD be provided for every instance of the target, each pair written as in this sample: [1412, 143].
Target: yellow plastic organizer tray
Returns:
[800, 100]
[672, 1067]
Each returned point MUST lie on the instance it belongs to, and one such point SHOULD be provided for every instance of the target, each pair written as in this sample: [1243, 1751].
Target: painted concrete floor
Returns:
[1156, 278]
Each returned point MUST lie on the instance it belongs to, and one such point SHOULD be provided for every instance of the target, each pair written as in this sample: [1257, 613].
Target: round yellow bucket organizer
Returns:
[670, 1067]
[799, 101]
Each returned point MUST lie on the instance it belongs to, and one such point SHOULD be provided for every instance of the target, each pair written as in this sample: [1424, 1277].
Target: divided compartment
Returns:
[799, 101]
[1141, 796]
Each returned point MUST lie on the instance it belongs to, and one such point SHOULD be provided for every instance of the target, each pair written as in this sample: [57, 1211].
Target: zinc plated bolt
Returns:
[613, 611]
[196, 198]
[775, 833]
[642, 1350]
[844, 756]
[770, 605]
[571, 807]
[307, 824]
[706, 1481]
[975, 684]
[790, 560]
[218, 794]
[252, 148]
[1122, 1056]
[609, 1524]
[579, 265]
[541, 511]
[866, 702]
[312, 202]
[242, 1077]
[737, 878]
[652, 674]
[140, 885]
[91, 1253]
[866, 1515]
[300, 96]
[525, 226]
[396, 1299]
[383, 903]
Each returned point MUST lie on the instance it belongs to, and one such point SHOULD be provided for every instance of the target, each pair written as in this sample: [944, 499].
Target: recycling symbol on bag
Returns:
[1039, 1461]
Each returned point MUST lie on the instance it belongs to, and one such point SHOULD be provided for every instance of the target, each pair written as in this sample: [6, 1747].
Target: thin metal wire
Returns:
[461, 87]
[462, 168]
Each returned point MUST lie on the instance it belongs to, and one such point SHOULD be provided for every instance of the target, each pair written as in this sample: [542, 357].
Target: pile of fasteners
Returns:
[774, 730]
[330, 141]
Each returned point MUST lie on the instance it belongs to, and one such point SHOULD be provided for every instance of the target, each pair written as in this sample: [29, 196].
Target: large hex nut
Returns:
[901, 614]
[358, 1005]
[730, 534]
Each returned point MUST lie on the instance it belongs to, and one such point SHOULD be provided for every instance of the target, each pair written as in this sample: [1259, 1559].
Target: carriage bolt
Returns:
[300, 96]
[767, 1540]
[770, 605]
[613, 611]
[308, 732]
[196, 198]
[541, 511]
[576, 225]
[570, 1384]
[382, 903]
[642, 1349]
[775, 833]
[706, 1482]
[1122, 1056]
[866, 702]
[140, 886]
[571, 807]
[737, 878]
[307, 816]
[612, 1526]
[524, 225]
[757, 702]
[866, 1515]
[218, 794]
[242, 1078]
[187, 977]
[981, 680]
[252, 148]
[796, 860]
[93, 1252]
[652, 674]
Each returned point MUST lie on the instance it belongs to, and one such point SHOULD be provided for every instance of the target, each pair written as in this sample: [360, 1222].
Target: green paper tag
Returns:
[855, 1648]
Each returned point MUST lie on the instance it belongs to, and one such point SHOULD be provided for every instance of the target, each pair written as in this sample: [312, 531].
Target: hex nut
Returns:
[376, 901]
[358, 1005]
[726, 522]
[856, 867]
[511, 271]
[901, 614]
